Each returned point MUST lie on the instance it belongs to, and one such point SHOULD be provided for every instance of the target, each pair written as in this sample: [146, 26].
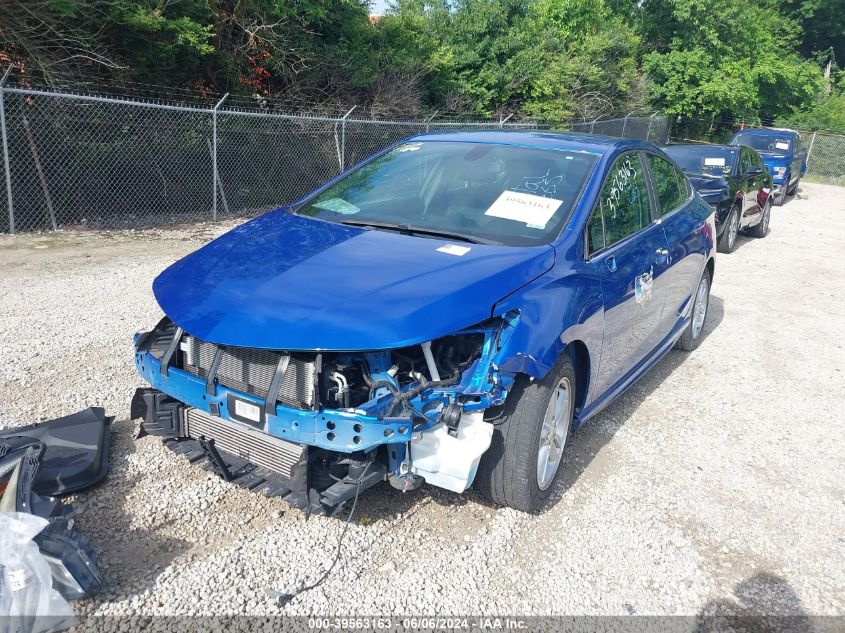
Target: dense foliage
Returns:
[703, 60]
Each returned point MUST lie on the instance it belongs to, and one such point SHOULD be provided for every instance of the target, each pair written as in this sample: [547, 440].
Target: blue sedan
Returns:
[445, 312]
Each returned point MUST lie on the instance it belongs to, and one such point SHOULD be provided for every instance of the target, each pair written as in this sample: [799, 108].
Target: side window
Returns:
[595, 231]
[670, 185]
[624, 200]
[745, 161]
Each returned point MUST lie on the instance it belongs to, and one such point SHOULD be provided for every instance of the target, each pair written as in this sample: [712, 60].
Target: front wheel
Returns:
[794, 189]
[523, 462]
[728, 239]
[691, 338]
[780, 198]
[761, 229]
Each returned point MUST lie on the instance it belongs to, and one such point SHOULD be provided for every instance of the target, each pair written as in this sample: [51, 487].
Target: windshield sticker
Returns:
[408, 147]
[714, 162]
[453, 249]
[535, 211]
[338, 205]
[545, 185]
[780, 145]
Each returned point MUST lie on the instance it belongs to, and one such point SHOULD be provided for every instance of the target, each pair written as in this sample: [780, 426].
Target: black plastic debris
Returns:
[56, 457]
[76, 450]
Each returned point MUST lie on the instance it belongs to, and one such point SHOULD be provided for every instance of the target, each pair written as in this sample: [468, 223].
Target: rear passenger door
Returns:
[629, 251]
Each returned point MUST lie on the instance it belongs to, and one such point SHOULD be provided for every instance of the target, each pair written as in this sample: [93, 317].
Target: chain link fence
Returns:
[81, 161]
[825, 156]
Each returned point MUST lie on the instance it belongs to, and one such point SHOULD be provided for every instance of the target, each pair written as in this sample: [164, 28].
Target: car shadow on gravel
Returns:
[586, 443]
[764, 602]
[130, 556]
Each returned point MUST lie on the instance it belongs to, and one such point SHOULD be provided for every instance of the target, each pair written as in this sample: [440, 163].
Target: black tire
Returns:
[794, 189]
[508, 472]
[780, 198]
[761, 229]
[692, 336]
[727, 242]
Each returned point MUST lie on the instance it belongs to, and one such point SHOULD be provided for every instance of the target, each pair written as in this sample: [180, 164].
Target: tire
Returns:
[509, 472]
[761, 229]
[692, 336]
[780, 198]
[794, 189]
[727, 242]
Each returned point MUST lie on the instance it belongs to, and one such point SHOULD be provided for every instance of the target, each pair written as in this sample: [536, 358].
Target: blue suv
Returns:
[446, 311]
[783, 154]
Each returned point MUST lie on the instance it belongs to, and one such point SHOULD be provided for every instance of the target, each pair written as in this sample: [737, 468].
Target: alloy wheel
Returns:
[699, 309]
[553, 433]
[733, 229]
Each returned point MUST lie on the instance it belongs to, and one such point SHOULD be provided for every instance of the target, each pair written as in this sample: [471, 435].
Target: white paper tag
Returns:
[18, 579]
[535, 211]
[714, 162]
[782, 146]
[453, 249]
[338, 205]
[247, 410]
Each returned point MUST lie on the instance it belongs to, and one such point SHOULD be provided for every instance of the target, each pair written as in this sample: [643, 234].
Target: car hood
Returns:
[289, 282]
[706, 183]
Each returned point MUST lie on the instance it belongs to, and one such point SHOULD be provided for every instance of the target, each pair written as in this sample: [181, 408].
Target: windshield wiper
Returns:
[407, 229]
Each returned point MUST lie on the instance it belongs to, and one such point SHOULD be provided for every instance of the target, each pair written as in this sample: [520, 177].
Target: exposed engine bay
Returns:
[316, 427]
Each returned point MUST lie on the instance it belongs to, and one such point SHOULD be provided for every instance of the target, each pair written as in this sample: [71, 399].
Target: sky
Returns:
[378, 7]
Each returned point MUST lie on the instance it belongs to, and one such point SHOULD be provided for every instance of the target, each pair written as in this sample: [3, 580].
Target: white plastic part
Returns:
[28, 601]
[451, 462]
[429, 360]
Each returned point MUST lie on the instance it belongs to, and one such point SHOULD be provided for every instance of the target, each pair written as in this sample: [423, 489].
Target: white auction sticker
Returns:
[247, 410]
[714, 162]
[535, 211]
[453, 249]
[782, 145]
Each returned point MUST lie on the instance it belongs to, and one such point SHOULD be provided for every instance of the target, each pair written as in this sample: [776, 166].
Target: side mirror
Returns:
[754, 171]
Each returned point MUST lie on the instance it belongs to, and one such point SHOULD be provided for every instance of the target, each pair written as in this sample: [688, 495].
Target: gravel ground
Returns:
[715, 484]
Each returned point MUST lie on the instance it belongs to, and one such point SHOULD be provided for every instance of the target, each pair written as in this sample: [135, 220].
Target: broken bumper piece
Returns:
[50, 458]
[252, 459]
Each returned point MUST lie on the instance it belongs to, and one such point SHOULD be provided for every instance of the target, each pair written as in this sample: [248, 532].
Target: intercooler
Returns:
[251, 371]
[259, 448]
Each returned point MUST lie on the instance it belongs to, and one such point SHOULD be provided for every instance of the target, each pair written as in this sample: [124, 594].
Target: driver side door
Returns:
[630, 252]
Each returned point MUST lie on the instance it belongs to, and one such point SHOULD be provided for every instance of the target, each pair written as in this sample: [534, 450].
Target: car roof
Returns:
[540, 139]
[764, 131]
[668, 148]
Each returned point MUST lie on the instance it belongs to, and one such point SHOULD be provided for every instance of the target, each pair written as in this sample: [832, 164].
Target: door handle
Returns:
[611, 263]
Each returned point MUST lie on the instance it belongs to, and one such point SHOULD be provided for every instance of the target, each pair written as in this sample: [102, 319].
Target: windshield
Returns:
[703, 159]
[773, 143]
[481, 192]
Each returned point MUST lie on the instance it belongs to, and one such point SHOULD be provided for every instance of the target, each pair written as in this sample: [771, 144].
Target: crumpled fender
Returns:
[560, 307]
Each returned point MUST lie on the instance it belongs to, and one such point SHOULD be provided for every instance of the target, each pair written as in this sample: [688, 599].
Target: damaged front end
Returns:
[317, 427]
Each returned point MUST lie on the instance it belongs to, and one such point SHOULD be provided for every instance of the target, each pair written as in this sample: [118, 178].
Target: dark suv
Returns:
[734, 181]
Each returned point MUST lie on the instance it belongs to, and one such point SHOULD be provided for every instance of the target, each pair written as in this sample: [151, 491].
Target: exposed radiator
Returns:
[257, 447]
[251, 371]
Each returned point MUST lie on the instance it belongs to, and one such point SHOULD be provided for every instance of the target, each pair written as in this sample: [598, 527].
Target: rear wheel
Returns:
[761, 229]
[691, 338]
[728, 239]
[523, 462]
